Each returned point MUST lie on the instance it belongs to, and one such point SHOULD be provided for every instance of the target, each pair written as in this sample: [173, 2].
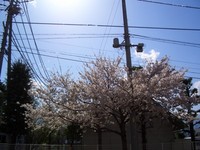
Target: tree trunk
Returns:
[71, 145]
[99, 132]
[49, 141]
[192, 134]
[144, 139]
[123, 137]
[13, 141]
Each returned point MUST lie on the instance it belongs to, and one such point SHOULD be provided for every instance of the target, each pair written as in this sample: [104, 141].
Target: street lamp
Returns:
[139, 46]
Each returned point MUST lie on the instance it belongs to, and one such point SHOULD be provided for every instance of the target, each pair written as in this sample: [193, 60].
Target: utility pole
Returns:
[12, 9]
[9, 48]
[139, 48]
[5, 34]
[127, 39]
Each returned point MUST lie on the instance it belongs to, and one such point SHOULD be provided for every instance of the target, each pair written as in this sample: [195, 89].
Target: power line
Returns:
[195, 72]
[75, 34]
[84, 57]
[113, 26]
[72, 37]
[76, 60]
[167, 40]
[63, 58]
[63, 53]
[34, 40]
[29, 44]
[18, 47]
[170, 4]
[91, 57]
[192, 63]
[109, 29]
[25, 58]
[193, 77]
[73, 45]
[133, 35]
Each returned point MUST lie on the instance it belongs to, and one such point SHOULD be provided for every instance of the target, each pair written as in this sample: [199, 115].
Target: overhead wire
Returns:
[187, 62]
[183, 43]
[75, 34]
[64, 58]
[81, 61]
[29, 45]
[90, 57]
[170, 4]
[171, 41]
[64, 53]
[163, 40]
[112, 26]
[35, 43]
[108, 29]
[25, 7]
[73, 45]
[154, 28]
[23, 43]
[19, 49]
[71, 37]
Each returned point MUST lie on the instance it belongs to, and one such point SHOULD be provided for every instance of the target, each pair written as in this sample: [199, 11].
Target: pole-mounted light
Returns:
[139, 46]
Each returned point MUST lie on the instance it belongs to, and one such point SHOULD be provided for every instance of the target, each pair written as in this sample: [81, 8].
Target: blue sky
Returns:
[68, 45]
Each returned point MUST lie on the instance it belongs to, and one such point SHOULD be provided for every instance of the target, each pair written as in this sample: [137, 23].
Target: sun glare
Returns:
[65, 4]
[66, 8]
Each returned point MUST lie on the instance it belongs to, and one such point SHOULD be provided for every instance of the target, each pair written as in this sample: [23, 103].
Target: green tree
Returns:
[73, 133]
[2, 101]
[17, 95]
[192, 99]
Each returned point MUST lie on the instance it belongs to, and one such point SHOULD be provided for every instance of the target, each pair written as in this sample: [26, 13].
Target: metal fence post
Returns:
[162, 146]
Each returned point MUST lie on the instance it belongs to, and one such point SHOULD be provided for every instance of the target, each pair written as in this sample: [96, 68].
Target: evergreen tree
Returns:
[17, 95]
[73, 133]
[192, 99]
[2, 103]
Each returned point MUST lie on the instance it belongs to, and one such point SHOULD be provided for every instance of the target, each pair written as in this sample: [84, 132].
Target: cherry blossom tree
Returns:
[159, 88]
[151, 90]
[104, 97]
[56, 107]
[190, 99]
[100, 84]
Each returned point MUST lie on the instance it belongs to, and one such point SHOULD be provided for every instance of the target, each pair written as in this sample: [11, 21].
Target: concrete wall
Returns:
[160, 132]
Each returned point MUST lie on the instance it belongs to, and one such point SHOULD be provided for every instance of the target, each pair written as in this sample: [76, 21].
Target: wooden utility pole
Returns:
[12, 9]
[127, 39]
[129, 66]
[139, 48]
[9, 48]
[128, 63]
[5, 34]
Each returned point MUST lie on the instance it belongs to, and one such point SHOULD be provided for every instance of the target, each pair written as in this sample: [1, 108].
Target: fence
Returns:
[186, 145]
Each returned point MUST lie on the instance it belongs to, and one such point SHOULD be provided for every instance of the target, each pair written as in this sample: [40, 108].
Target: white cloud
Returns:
[151, 56]
[34, 3]
[197, 85]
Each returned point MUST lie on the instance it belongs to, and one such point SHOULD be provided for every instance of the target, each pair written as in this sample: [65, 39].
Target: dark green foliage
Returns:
[73, 133]
[135, 68]
[17, 95]
[42, 136]
[189, 92]
[2, 103]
